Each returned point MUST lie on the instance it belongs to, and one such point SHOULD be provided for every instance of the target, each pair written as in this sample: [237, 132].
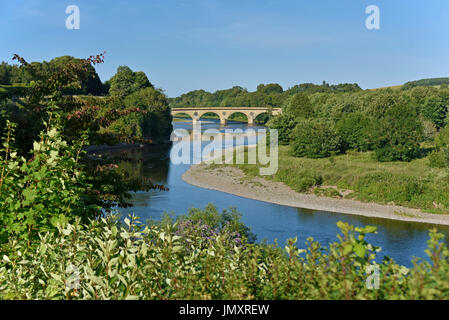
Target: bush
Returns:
[103, 259]
[285, 125]
[151, 122]
[398, 135]
[211, 221]
[356, 131]
[442, 139]
[435, 110]
[36, 193]
[315, 139]
[299, 106]
[437, 159]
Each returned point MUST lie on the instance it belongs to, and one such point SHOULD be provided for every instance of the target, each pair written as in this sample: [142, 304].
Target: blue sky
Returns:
[184, 45]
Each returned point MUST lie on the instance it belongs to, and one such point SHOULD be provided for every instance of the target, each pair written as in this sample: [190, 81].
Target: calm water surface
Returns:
[400, 240]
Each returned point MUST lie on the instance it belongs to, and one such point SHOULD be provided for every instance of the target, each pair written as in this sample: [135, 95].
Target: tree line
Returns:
[266, 95]
[125, 108]
[394, 124]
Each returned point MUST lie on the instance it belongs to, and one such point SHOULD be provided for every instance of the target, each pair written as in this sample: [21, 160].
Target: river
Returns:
[400, 240]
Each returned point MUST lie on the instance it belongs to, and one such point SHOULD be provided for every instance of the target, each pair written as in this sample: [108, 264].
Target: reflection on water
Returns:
[399, 240]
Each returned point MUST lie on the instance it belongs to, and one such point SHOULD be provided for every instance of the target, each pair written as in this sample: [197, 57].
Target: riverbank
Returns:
[234, 181]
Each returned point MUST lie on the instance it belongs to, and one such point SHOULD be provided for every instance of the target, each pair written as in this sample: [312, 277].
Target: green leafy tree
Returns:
[398, 134]
[435, 109]
[356, 131]
[126, 82]
[285, 124]
[315, 139]
[299, 106]
[152, 121]
[5, 76]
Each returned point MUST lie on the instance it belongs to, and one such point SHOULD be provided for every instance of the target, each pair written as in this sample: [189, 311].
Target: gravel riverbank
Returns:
[233, 181]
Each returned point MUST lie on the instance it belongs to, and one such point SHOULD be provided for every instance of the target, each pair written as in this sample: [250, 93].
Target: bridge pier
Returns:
[251, 118]
[223, 121]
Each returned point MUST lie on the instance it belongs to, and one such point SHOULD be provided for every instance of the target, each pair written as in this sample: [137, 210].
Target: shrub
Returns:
[285, 125]
[356, 131]
[153, 122]
[299, 106]
[442, 139]
[315, 139]
[36, 193]
[398, 135]
[437, 159]
[103, 259]
[435, 110]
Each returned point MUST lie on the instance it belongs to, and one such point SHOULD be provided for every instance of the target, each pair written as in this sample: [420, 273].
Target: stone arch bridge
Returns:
[224, 112]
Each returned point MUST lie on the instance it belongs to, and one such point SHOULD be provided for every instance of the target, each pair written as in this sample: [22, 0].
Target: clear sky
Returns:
[184, 45]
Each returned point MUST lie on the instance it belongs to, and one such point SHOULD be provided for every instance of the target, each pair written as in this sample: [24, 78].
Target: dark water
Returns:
[400, 240]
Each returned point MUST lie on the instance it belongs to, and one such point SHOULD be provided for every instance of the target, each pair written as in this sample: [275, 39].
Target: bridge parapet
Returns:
[224, 112]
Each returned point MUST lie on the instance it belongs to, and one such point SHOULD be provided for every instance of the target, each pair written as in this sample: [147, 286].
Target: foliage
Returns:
[398, 135]
[126, 82]
[285, 125]
[106, 260]
[425, 82]
[435, 109]
[76, 120]
[152, 122]
[315, 139]
[299, 106]
[437, 159]
[13, 74]
[265, 95]
[356, 131]
[35, 192]
[210, 222]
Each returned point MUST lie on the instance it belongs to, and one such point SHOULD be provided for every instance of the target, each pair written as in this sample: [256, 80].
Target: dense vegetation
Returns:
[394, 124]
[266, 95]
[191, 259]
[426, 82]
[56, 243]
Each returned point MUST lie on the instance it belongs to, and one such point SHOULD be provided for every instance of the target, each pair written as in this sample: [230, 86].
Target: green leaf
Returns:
[360, 250]
[347, 249]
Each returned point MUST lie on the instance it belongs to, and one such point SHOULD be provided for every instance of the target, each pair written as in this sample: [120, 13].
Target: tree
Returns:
[284, 123]
[269, 88]
[398, 134]
[355, 130]
[151, 122]
[299, 106]
[5, 77]
[435, 110]
[315, 139]
[126, 82]
[91, 84]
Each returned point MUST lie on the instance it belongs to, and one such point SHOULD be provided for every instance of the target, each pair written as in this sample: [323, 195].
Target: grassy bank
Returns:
[357, 176]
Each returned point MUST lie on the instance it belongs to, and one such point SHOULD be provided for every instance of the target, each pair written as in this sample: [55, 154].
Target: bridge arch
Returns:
[233, 114]
[181, 114]
[225, 112]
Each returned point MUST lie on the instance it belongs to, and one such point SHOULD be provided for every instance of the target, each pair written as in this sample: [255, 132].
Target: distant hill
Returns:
[431, 82]
[390, 87]
[426, 82]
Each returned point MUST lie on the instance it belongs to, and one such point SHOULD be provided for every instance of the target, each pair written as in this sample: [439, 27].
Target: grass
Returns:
[411, 184]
